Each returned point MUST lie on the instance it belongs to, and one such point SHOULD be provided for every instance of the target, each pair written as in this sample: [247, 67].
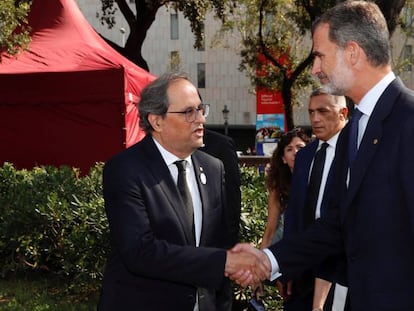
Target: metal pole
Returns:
[225, 112]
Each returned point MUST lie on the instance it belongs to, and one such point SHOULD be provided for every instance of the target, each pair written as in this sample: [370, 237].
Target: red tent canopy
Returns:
[70, 99]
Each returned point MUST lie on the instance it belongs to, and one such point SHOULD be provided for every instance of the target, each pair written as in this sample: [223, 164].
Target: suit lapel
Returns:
[162, 175]
[202, 178]
[303, 167]
[372, 138]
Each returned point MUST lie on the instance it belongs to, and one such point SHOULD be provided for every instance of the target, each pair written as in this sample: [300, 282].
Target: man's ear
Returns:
[353, 51]
[155, 121]
[344, 112]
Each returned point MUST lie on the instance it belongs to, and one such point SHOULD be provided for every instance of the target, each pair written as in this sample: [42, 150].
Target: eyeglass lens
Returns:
[192, 113]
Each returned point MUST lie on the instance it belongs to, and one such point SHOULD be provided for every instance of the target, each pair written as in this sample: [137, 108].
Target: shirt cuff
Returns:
[275, 266]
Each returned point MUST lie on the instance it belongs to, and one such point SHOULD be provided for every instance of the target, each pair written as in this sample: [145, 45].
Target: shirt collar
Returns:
[368, 102]
[168, 157]
[331, 141]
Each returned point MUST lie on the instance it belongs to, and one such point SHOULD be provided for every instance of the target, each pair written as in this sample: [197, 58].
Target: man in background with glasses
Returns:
[166, 206]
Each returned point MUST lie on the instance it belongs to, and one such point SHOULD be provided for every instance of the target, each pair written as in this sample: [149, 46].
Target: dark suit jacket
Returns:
[372, 220]
[295, 215]
[295, 222]
[153, 265]
[222, 147]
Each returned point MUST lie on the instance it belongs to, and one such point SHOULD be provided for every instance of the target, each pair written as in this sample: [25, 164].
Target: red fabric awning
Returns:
[70, 99]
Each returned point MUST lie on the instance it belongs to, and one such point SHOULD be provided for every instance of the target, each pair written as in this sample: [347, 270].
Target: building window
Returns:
[201, 75]
[407, 57]
[174, 26]
[203, 39]
[175, 61]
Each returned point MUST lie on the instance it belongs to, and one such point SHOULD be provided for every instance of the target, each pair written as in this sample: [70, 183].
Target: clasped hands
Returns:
[247, 265]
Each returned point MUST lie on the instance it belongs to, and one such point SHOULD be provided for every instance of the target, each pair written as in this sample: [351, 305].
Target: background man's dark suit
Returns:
[222, 147]
[373, 220]
[300, 177]
[154, 265]
[297, 222]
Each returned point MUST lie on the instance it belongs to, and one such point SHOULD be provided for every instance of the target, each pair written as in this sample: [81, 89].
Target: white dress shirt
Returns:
[169, 159]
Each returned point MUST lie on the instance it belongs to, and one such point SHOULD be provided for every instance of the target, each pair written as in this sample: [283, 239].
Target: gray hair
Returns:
[154, 98]
[337, 100]
[362, 22]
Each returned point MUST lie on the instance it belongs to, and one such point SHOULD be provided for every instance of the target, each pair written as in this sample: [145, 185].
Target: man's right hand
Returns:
[247, 265]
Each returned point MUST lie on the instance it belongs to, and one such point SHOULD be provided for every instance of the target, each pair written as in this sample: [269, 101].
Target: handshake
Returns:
[247, 265]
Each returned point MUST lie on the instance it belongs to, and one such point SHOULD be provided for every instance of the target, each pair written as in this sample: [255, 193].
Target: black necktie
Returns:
[314, 184]
[185, 191]
[353, 136]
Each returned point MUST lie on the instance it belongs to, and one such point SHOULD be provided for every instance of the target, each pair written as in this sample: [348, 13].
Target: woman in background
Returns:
[277, 182]
[278, 179]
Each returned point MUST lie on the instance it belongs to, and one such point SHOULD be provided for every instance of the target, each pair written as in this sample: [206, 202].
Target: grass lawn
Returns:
[40, 294]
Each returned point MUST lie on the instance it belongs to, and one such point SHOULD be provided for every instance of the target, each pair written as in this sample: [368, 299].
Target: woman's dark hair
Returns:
[279, 175]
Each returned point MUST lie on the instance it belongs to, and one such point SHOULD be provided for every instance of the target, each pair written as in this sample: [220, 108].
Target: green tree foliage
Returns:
[402, 58]
[53, 221]
[279, 30]
[14, 31]
[146, 10]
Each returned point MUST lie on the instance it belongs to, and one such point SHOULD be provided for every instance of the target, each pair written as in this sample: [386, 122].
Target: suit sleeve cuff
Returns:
[275, 266]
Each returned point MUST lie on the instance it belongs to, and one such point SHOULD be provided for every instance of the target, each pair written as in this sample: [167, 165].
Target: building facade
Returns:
[169, 44]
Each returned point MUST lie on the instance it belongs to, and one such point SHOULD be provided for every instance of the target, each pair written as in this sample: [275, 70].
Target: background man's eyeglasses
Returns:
[191, 114]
